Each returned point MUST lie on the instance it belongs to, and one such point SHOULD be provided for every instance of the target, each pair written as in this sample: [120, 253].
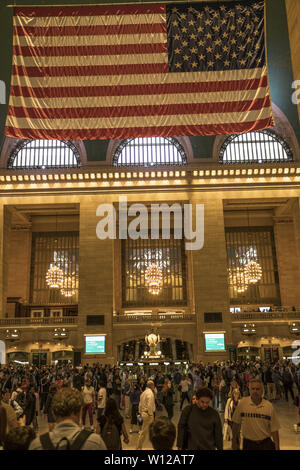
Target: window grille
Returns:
[244, 244]
[149, 151]
[169, 255]
[62, 249]
[255, 147]
[42, 154]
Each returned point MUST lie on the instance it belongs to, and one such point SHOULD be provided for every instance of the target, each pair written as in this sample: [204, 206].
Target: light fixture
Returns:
[253, 270]
[153, 279]
[249, 330]
[54, 275]
[237, 279]
[60, 333]
[12, 335]
[69, 285]
[294, 329]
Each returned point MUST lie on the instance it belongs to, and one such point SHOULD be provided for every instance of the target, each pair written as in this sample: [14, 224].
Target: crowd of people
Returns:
[217, 401]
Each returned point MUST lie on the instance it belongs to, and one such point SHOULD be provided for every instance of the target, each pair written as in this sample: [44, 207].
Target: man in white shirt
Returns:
[89, 400]
[257, 420]
[101, 400]
[146, 410]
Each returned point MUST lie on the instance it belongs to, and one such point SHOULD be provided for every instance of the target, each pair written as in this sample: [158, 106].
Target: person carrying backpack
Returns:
[67, 434]
[111, 426]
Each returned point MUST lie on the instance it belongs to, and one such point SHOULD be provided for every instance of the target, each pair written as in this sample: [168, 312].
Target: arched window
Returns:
[149, 151]
[42, 154]
[255, 147]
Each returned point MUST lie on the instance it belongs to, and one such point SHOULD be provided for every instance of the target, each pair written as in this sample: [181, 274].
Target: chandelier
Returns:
[153, 279]
[238, 279]
[253, 271]
[69, 286]
[54, 277]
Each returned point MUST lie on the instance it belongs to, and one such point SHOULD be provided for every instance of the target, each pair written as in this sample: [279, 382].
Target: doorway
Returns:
[39, 359]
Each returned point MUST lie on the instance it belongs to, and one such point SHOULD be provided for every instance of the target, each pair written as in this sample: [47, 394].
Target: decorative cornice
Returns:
[190, 176]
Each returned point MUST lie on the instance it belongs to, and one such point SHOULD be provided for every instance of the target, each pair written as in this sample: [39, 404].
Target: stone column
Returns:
[287, 260]
[5, 223]
[210, 276]
[190, 353]
[137, 348]
[95, 278]
[173, 347]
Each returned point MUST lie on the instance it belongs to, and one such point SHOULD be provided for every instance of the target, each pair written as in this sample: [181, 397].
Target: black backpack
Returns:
[111, 436]
[78, 442]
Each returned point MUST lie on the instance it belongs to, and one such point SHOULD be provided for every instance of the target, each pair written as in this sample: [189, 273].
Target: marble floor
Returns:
[286, 412]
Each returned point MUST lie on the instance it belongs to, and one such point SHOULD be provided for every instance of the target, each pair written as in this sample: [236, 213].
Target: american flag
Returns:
[113, 72]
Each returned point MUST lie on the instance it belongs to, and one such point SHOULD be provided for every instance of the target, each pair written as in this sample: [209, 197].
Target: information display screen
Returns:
[95, 344]
[214, 342]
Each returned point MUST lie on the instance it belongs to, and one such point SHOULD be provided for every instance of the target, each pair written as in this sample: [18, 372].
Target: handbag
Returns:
[226, 432]
[139, 419]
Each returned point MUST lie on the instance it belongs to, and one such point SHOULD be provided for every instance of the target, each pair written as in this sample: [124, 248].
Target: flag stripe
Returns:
[237, 78]
[138, 100]
[87, 21]
[90, 50]
[122, 133]
[139, 121]
[137, 89]
[69, 61]
[148, 110]
[95, 10]
[67, 42]
[83, 71]
[91, 30]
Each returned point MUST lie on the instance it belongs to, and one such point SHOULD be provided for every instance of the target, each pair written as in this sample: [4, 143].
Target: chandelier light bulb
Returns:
[54, 277]
[238, 279]
[153, 279]
[69, 286]
[253, 271]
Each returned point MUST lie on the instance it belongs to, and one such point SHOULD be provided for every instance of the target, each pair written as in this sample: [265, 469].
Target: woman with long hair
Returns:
[168, 401]
[230, 407]
[113, 418]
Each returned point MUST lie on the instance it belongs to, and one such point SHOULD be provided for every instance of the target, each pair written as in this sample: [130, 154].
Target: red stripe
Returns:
[92, 30]
[148, 110]
[125, 133]
[95, 70]
[122, 90]
[116, 49]
[93, 10]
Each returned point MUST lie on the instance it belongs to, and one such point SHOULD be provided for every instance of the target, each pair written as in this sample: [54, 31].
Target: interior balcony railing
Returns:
[62, 321]
[150, 317]
[265, 316]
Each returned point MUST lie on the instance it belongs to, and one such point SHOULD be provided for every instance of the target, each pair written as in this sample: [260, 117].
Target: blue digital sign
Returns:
[95, 344]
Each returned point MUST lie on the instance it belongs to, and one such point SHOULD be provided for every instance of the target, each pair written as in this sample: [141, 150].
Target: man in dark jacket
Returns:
[200, 426]
[78, 381]
[288, 381]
